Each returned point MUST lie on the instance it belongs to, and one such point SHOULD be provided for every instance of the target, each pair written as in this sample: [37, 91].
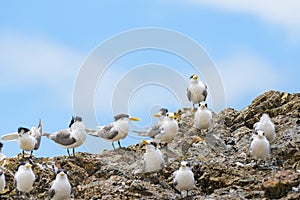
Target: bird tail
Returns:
[40, 127]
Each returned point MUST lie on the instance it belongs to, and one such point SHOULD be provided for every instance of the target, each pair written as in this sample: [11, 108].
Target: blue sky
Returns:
[254, 45]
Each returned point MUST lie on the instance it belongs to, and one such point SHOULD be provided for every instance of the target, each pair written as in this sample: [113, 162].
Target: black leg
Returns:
[31, 154]
[68, 151]
[23, 153]
[74, 152]
[187, 193]
[113, 145]
[119, 143]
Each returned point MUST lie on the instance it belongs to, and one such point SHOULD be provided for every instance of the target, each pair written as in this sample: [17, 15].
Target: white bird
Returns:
[162, 116]
[114, 131]
[267, 126]
[24, 178]
[184, 178]
[2, 155]
[2, 179]
[61, 187]
[260, 146]
[197, 90]
[203, 117]
[166, 130]
[153, 158]
[28, 140]
[72, 137]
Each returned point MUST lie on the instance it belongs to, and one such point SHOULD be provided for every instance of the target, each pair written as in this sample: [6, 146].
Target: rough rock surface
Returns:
[219, 157]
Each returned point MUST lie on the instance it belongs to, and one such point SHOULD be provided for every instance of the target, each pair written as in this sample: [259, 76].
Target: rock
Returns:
[219, 157]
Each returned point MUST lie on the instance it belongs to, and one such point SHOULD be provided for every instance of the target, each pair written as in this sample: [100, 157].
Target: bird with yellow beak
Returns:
[116, 130]
[197, 90]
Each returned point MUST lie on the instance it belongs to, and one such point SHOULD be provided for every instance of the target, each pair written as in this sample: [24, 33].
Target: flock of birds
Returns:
[153, 160]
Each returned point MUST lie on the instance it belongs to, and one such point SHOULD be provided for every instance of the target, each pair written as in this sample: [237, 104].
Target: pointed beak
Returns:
[157, 115]
[134, 119]
[202, 106]
[30, 132]
[145, 142]
[172, 117]
[195, 77]
[61, 174]
[28, 166]
[260, 135]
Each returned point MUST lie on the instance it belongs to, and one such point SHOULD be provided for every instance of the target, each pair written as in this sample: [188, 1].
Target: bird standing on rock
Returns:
[260, 146]
[114, 131]
[197, 90]
[203, 117]
[184, 178]
[24, 178]
[61, 187]
[72, 137]
[166, 130]
[267, 126]
[28, 139]
[153, 158]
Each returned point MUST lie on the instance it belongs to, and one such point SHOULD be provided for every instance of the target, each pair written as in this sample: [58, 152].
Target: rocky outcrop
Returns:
[219, 157]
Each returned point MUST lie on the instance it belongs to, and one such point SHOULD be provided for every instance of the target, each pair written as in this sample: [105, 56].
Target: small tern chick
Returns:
[267, 126]
[114, 131]
[61, 187]
[2, 156]
[203, 117]
[197, 90]
[166, 130]
[2, 179]
[24, 178]
[260, 146]
[184, 178]
[153, 158]
[72, 137]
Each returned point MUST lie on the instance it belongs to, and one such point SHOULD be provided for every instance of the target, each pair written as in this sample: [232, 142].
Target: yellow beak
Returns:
[157, 115]
[145, 142]
[195, 77]
[30, 132]
[28, 166]
[172, 116]
[134, 119]
[61, 174]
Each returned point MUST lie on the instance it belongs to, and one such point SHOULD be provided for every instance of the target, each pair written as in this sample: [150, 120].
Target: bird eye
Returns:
[188, 164]
[256, 133]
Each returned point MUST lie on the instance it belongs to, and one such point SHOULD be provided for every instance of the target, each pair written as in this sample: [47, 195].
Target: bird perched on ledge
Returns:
[260, 146]
[116, 130]
[197, 90]
[184, 178]
[72, 137]
[153, 158]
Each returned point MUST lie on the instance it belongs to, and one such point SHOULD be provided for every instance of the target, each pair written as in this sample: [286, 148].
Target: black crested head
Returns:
[163, 111]
[62, 170]
[75, 119]
[192, 76]
[23, 130]
[120, 116]
[154, 144]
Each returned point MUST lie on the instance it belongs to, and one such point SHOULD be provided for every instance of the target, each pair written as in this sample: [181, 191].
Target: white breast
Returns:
[25, 179]
[62, 189]
[154, 161]
[203, 119]
[27, 142]
[260, 148]
[2, 182]
[184, 179]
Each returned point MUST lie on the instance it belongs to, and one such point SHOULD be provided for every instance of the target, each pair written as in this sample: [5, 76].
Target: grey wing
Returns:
[63, 137]
[189, 94]
[204, 93]
[155, 130]
[51, 193]
[107, 133]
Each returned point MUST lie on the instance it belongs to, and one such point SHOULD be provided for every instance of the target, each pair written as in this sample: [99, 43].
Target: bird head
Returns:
[62, 172]
[260, 133]
[28, 165]
[194, 76]
[203, 105]
[22, 131]
[170, 115]
[184, 164]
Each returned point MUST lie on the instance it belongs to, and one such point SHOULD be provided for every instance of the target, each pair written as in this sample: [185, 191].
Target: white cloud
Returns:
[284, 13]
[244, 74]
[34, 62]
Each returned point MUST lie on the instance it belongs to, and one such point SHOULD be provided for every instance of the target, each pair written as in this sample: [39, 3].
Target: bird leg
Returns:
[31, 154]
[23, 154]
[187, 193]
[68, 152]
[119, 143]
[74, 152]
[113, 145]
